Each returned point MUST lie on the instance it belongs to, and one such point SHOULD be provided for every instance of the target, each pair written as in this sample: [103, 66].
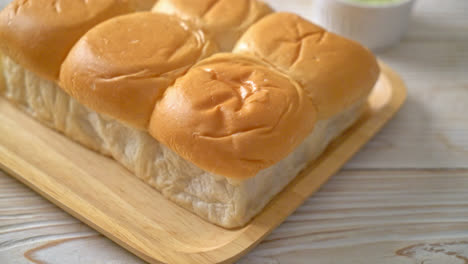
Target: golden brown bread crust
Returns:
[38, 34]
[143, 5]
[123, 65]
[226, 20]
[336, 72]
[233, 115]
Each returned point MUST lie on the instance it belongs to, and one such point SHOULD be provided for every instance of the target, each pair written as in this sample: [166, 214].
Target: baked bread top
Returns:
[38, 34]
[143, 5]
[231, 114]
[225, 20]
[123, 65]
[336, 72]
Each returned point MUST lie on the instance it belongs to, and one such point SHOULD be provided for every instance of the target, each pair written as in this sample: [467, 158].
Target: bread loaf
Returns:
[225, 20]
[218, 134]
[39, 34]
[122, 66]
[334, 71]
[224, 114]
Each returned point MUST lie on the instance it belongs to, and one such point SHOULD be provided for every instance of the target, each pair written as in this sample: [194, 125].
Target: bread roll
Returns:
[233, 115]
[120, 67]
[336, 72]
[226, 20]
[39, 33]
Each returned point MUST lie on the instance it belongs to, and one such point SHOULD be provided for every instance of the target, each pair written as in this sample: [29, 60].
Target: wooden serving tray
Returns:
[104, 195]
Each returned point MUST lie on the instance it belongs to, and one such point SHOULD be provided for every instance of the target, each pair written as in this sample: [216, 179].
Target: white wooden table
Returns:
[402, 199]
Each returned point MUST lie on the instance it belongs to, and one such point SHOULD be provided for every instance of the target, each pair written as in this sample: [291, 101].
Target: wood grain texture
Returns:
[32, 230]
[400, 216]
[390, 216]
[378, 213]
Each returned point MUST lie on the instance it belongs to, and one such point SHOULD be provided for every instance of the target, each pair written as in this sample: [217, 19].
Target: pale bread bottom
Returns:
[226, 202]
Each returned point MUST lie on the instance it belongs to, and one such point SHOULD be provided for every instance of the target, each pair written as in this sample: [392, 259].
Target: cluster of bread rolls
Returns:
[229, 86]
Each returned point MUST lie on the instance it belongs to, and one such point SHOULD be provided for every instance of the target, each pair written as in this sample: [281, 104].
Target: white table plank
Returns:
[431, 129]
[376, 217]
[366, 216]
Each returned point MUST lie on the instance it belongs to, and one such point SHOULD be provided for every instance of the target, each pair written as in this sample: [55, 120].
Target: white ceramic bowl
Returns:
[4, 3]
[376, 26]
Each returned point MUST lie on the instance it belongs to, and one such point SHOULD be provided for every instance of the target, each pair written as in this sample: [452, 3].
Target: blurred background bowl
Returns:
[377, 25]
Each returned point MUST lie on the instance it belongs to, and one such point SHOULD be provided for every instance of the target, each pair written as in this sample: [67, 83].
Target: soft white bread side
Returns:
[2, 78]
[226, 202]
[39, 34]
[334, 71]
[225, 20]
[123, 65]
